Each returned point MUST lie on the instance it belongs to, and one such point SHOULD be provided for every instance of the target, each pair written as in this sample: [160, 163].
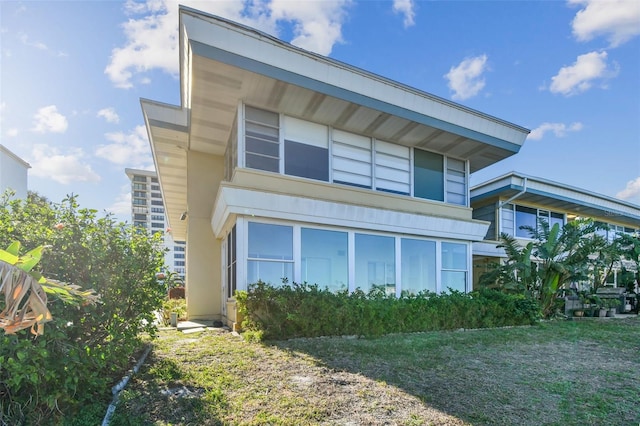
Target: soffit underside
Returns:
[218, 88]
[169, 151]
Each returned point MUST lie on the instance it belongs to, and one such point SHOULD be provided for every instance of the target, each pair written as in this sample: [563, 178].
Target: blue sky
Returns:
[72, 74]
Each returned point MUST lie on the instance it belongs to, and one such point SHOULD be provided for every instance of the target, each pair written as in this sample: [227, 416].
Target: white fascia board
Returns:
[238, 201]
[488, 249]
[165, 113]
[556, 191]
[566, 193]
[246, 43]
[14, 157]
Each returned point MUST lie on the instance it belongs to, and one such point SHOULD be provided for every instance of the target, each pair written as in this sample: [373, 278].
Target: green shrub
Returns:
[179, 306]
[85, 349]
[302, 310]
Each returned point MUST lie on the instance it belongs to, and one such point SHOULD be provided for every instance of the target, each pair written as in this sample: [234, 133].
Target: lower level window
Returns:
[375, 263]
[418, 266]
[454, 267]
[324, 258]
[270, 253]
[347, 260]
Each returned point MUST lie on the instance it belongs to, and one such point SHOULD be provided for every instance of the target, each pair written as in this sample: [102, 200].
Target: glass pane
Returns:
[269, 272]
[260, 162]
[267, 241]
[507, 219]
[324, 258]
[525, 216]
[428, 175]
[454, 256]
[261, 116]
[259, 146]
[556, 218]
[375, 262]
[454, 280]
[418, 265]
[306, 161]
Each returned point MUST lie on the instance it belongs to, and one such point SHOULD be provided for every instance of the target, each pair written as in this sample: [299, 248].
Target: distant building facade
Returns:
[13, 173]
[148, 212]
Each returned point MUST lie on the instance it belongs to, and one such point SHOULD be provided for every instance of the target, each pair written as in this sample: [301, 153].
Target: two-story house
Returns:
[514, 200]
[281, 163]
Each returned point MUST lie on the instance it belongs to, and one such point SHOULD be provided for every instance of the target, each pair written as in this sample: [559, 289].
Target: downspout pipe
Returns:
[524, 189]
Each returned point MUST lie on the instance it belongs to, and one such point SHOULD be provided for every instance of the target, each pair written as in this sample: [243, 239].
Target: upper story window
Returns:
[262, 140]
[392, 168]
[295, 147]
[139, 178]
[610, 231]
[351, 159]
[428, 175]
[515, 217]
[306, 149]
[141, 186]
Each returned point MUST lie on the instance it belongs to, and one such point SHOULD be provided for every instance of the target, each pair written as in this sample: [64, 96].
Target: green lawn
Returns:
[559, 373]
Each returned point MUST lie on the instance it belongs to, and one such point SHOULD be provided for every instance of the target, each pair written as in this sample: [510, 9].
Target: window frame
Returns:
[371, 164]
[242, 225]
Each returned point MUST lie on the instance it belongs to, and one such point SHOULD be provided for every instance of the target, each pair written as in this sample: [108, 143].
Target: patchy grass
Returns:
[558, 373]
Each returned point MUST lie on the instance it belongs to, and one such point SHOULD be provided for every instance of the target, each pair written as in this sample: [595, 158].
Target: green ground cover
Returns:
[556, 373]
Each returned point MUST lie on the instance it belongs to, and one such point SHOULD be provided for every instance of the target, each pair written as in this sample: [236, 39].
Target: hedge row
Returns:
[302, 310]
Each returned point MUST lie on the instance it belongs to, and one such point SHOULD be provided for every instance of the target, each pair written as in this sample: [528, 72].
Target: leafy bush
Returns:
[85, 349]
[179, 306]
[302, 310]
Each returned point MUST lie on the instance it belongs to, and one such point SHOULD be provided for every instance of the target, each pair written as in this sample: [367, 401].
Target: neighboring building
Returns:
[514, 200]
[13, 173]
[147, 211]
[288, 164]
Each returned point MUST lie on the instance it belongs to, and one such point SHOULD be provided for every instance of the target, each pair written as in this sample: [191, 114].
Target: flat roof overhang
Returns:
[169, 136]
[224, 64]
[556, 196]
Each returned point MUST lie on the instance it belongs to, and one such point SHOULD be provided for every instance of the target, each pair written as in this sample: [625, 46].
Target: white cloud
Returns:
[558, 129]
[12, 133]
[39, 45]
[585, 71]
[109, 114]
[127, 149]
[617, 20]
[632, 190]
[152, 32]
[122, 204]
[49, 120]
[405, 7]
[64, 168]
[465, 80]
[317, 24]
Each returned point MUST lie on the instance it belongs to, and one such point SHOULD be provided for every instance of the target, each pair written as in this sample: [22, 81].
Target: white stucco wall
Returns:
[13, 173]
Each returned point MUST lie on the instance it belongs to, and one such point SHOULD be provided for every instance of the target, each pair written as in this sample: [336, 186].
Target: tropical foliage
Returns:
[556, 257]
[25, 291]
[86, 347]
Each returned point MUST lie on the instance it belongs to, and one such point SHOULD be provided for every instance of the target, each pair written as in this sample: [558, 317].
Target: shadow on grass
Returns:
[559, 373]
